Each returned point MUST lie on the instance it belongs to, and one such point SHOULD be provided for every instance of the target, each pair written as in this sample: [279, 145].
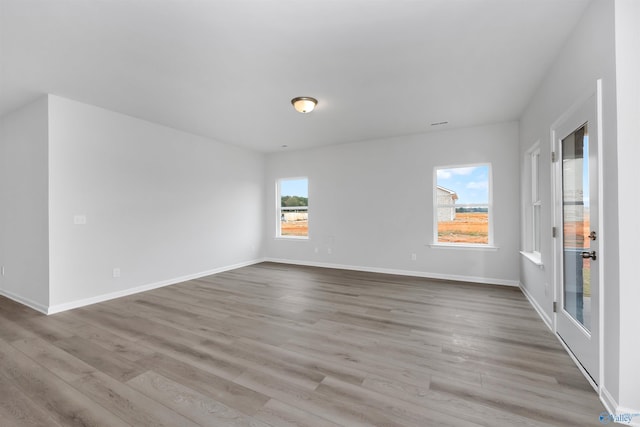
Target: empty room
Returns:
[319, 212]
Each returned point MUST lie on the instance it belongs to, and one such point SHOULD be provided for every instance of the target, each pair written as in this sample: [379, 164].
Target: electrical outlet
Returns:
[414, 257]
[3, 270]
[80, 220]
[316, 250]
[329, 251]
[116, 272]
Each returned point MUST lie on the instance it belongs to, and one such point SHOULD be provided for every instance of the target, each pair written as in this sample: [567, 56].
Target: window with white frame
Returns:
[462, 205]
[292, 208]
[536, 204]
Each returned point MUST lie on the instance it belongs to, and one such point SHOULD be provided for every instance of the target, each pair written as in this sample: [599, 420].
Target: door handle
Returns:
[591, 255]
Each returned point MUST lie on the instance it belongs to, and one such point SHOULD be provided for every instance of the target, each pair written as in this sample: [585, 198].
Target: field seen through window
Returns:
[466, 227]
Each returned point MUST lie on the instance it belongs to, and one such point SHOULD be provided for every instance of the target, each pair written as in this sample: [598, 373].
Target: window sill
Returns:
[293, 238]
[464, 246]
[535, 258]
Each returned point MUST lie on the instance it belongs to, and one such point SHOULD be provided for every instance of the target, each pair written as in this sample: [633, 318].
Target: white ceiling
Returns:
[227, 69]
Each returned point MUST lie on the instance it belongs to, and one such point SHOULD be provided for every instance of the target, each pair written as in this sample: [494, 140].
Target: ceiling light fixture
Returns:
[304, 104]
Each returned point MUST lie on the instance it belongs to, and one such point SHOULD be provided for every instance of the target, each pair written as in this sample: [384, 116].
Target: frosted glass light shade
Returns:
[304, 104]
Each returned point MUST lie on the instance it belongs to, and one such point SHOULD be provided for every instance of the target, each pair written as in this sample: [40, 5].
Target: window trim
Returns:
[533, 233]
[536, 202]
[531, 167]
[490, 245]
[278, 201]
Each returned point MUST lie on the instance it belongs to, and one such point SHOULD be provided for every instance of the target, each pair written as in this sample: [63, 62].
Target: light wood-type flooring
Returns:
[281, 345]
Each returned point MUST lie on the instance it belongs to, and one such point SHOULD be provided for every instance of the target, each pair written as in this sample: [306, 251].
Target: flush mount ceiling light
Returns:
[304, 104]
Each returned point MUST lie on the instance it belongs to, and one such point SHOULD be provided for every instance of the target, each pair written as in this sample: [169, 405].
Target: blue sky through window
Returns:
[294, 187]
[470, 183]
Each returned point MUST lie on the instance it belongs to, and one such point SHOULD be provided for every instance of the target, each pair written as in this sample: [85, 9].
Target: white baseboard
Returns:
[125, 292]
[24, 301]
[543, 314]
[608, 401]
[440, 276]
[52, 309]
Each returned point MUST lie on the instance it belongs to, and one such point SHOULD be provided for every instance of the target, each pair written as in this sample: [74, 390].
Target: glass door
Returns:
[578, 245]
[576, 227]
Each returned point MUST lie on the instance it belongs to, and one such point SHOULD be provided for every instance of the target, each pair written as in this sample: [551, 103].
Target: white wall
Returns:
[590, 54]
[24, 241]
[371, 203]
[587, 56]
[160, 204]
[627, 16]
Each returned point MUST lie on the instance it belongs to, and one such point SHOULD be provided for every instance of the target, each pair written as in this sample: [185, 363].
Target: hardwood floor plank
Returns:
[65, 404]
[405, 412]
[191, 351]
[307, 362]
[372, 363]
[447, 404]
[129, 404]
[128, 349]
[47, 330]
[268, 360]
[17, 410]
[521, 405]
[280, 414]
[11, 331]
[56, 360]
[335, 410]
[284, 345]
[12, 310]
[562, 397]
[196, 406]
[234, 395]
[104, 361]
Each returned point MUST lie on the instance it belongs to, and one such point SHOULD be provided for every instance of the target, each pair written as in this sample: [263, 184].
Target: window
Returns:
[536, 204]
[532, 205]
[462, 201]
[292, 202]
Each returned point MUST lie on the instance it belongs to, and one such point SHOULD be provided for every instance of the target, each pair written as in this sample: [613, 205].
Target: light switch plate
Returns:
[79, 219]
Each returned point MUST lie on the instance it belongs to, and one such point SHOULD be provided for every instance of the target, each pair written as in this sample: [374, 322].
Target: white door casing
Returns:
[576, 143]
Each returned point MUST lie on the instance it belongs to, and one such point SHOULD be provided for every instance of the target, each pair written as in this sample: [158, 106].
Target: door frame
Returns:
[556, 211]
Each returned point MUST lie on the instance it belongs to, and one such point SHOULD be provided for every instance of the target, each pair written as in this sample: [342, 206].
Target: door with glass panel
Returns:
[578, 237]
